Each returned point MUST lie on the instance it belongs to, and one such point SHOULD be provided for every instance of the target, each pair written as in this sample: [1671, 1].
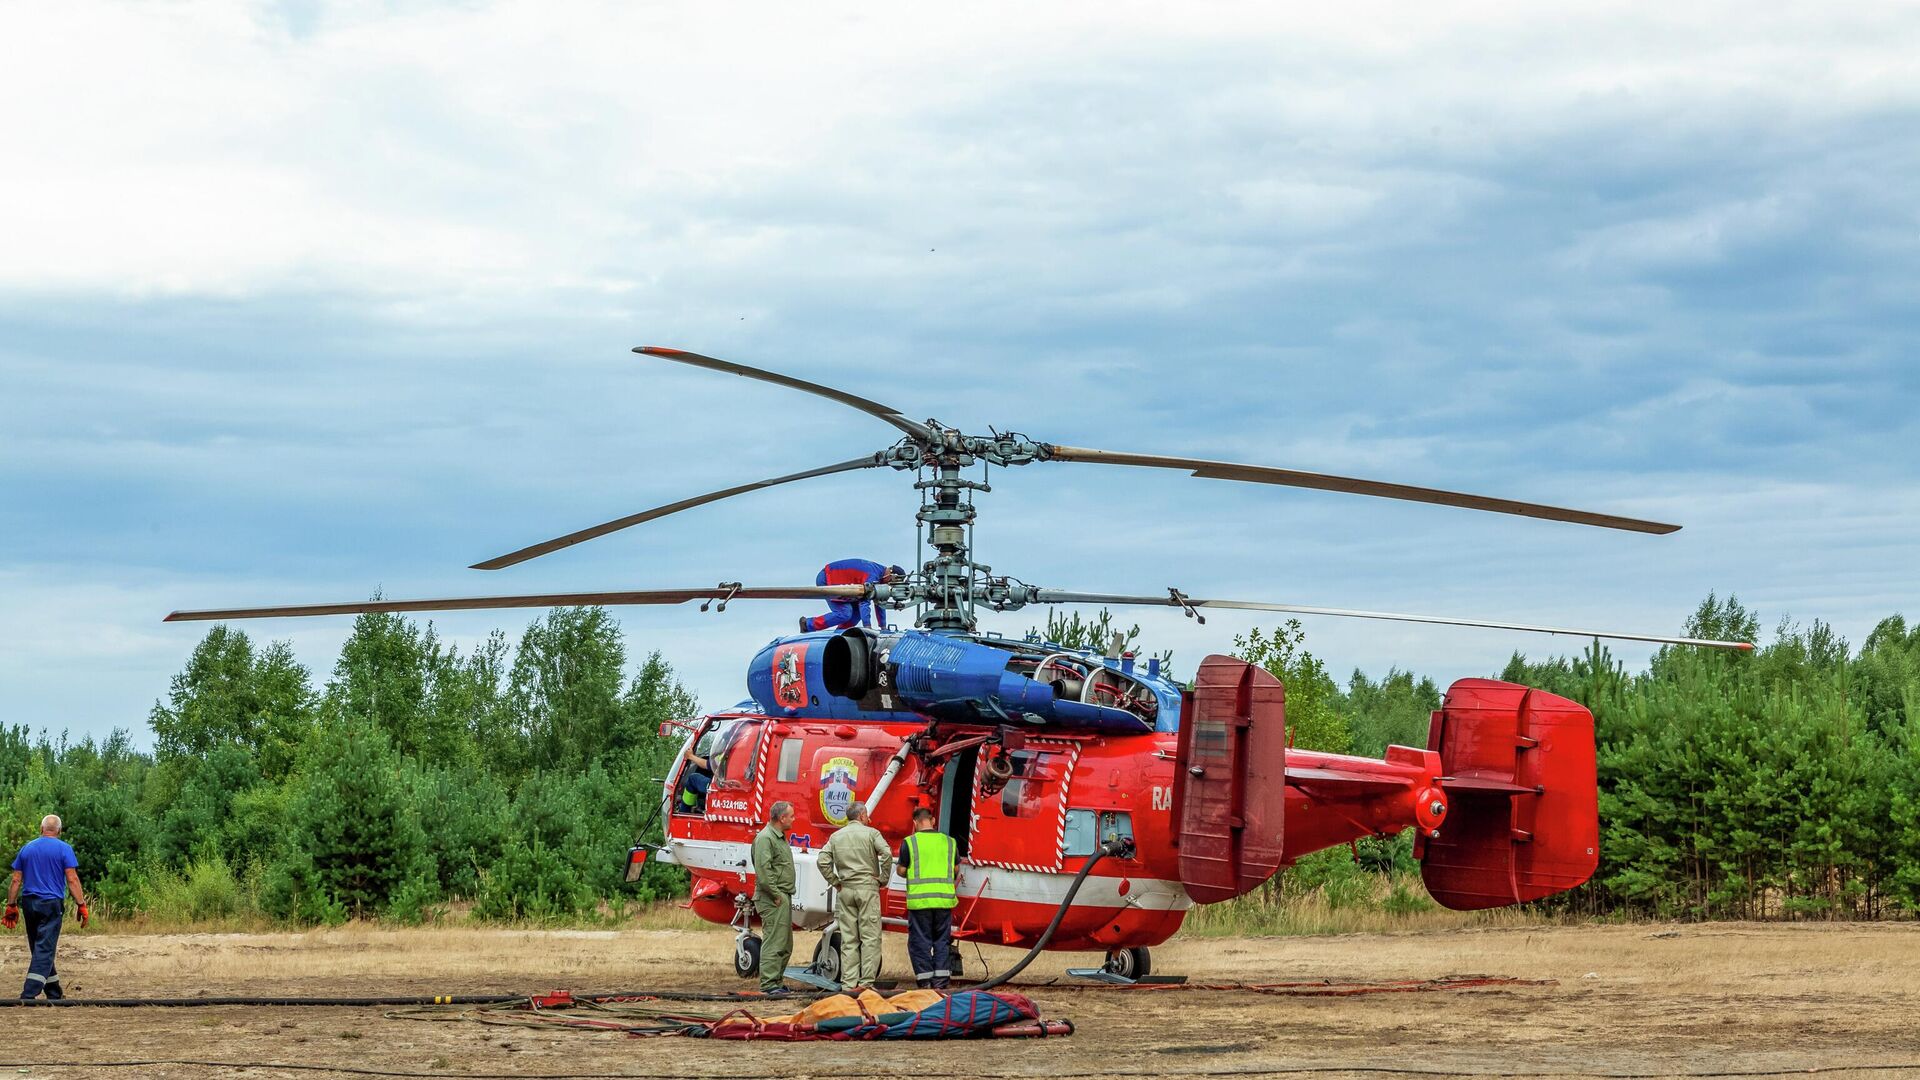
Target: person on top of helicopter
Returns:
[844, 613]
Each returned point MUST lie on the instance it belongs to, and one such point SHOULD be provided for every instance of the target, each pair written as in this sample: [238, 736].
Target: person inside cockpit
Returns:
[697, 777]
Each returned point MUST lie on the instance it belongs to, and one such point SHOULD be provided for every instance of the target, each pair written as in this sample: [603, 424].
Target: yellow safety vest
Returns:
[930, 871]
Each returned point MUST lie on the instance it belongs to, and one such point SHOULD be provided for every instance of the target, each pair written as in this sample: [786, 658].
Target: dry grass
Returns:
[200, 961]
[662, 916]
[1314, 915]
[1351, 903]
[1648, 998]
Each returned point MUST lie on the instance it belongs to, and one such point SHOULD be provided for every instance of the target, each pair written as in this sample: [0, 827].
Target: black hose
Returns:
[1111, 847]
[128, 1003]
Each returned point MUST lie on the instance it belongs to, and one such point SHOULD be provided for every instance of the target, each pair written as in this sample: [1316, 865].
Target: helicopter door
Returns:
[956, 800]
[1230, 780]
[1021, 824]
[737, 787]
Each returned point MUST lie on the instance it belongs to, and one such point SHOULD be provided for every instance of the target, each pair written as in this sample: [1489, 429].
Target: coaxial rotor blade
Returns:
[1262, 474]
[548, 546]
[544, 600]
[1052, 596]
[890, 415]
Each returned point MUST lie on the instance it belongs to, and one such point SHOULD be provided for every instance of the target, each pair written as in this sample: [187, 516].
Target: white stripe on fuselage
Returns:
[985, 882]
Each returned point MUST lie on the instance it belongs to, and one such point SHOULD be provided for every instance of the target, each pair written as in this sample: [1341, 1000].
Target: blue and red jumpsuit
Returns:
[847, 612]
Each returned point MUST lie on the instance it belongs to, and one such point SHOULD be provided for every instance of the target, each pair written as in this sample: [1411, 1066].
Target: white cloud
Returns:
[299, 305]
[492, 150]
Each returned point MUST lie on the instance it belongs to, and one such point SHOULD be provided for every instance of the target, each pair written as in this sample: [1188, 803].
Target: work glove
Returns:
[12, 917]
[82, 912]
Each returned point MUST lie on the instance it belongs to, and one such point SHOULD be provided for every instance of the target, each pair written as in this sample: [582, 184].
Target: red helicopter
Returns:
[1093, 799]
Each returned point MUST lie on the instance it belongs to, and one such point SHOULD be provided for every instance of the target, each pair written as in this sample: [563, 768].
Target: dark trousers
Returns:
[929, 938]
[42, 915]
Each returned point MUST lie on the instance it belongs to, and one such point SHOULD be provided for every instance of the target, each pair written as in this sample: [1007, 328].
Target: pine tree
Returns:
[355, 843]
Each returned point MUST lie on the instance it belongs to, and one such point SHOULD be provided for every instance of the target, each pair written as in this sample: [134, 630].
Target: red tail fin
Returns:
[1230, 780]
[1524, 818]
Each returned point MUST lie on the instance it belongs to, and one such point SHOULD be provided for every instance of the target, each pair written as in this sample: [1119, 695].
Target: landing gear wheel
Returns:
[953, 959]
[826, 956]
[1135, 963]
[746, 956]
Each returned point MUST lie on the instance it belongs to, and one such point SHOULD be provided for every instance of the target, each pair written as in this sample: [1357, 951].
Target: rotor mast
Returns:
[947, 512]
[948, 586]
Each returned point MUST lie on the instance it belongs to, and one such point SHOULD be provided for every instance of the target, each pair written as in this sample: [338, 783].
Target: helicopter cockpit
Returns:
[715, 764]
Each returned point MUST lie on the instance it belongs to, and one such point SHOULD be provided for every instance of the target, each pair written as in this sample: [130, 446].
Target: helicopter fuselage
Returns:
[1026, 801]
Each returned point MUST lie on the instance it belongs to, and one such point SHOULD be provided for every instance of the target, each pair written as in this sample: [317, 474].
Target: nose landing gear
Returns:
[746, 944]
[746, 956]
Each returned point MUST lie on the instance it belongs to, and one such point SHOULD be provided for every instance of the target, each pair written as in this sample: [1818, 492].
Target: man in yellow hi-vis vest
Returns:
[927, 861]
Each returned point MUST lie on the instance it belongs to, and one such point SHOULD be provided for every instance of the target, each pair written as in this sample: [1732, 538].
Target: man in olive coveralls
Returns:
[773, 885]
[855, 862]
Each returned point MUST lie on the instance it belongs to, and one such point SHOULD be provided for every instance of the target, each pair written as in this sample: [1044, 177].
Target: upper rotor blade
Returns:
[546, 600]
[890, 415]
[1053, 596]
[1262, 474]
[602, 529]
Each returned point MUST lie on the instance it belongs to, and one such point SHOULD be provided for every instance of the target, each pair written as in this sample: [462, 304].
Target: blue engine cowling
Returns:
[953, 678]
[859, 674]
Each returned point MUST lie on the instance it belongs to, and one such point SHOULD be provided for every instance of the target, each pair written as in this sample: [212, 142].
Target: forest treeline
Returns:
[509, 780]
[1781, 782]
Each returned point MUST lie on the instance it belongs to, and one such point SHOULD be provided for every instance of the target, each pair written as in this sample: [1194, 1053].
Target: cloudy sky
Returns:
[299, 301]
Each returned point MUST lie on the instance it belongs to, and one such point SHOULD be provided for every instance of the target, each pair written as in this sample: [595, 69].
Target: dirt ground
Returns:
[1658, 1000]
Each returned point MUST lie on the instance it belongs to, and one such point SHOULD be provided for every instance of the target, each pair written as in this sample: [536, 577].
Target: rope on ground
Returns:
[915, 1015]
[636, 1015]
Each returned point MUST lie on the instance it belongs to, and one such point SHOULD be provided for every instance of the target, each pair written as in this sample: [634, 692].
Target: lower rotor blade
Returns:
[1263, 474]
[543, 600]
[548, 546]
[1051, 596]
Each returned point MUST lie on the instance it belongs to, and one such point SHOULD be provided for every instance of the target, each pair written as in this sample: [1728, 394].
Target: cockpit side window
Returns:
[733, 755]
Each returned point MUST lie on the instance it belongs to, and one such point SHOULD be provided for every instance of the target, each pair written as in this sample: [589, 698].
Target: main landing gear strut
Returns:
[1125, 967]
[1134, 964]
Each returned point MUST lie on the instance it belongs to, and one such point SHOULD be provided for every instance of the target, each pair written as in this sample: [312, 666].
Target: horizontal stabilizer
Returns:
[1318, 777]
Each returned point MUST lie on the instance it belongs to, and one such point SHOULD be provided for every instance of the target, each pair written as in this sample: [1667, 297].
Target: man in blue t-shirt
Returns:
[42, 873]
